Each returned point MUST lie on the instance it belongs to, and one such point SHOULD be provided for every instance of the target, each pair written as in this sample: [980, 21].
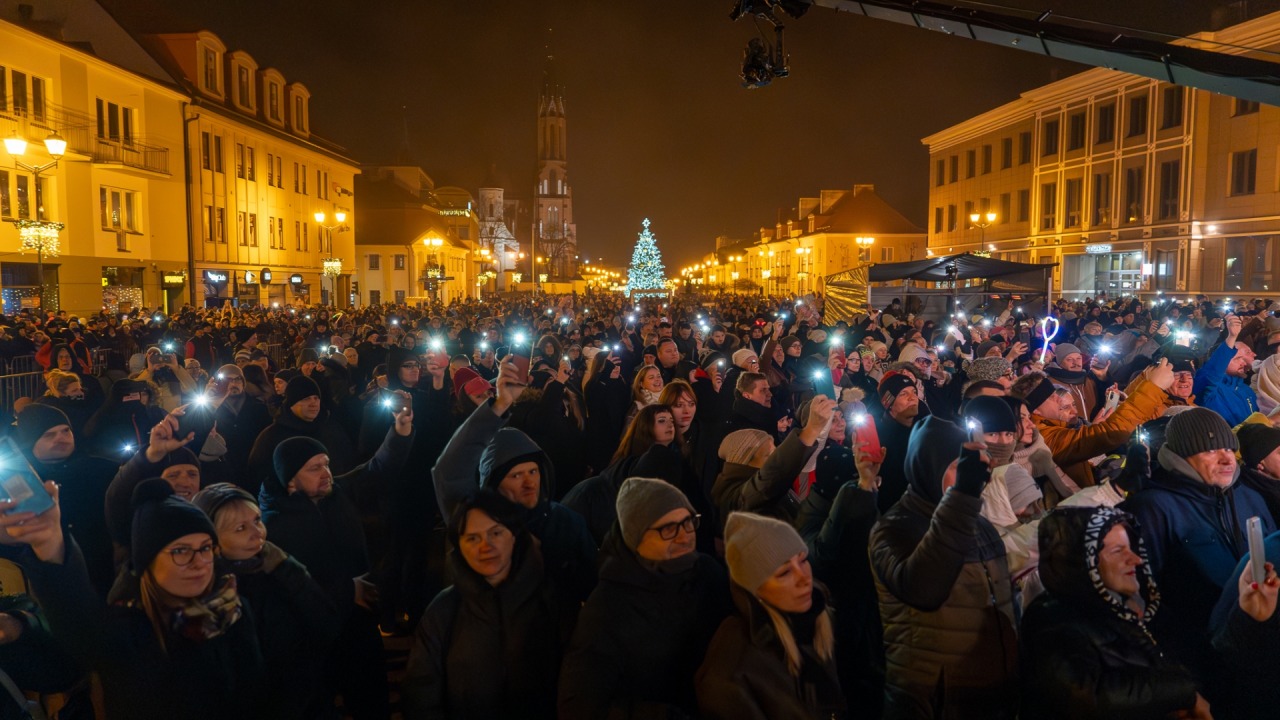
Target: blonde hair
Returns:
[157, 603]
[823, 637]
[58, 381]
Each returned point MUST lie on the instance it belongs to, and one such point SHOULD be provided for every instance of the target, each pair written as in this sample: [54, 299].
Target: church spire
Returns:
[551, 100]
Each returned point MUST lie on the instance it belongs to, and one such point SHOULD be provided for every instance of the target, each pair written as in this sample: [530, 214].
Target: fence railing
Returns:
[27, 363]
[19, 385]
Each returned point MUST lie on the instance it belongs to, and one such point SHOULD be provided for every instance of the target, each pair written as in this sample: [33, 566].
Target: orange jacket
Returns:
[1073, 447]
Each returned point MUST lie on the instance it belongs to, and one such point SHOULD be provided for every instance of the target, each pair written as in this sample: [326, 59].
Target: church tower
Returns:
[555, 236]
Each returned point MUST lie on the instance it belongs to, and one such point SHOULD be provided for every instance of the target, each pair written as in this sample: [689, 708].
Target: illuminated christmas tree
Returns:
[646, 273]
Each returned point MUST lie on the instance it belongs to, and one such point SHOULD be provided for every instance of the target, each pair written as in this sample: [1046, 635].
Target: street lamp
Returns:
[332, 269]
[982, 221]
[38, 234]
[864, 247]
[435, 273]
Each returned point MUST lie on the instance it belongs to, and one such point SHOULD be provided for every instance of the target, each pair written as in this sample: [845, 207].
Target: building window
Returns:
[245, 88]
[297, 235]
[271, 169]
[205, 152]
[220, 224]
[208, 223]
[273, 101]
[1171, 107]
[1024, 148]
[280, 172]
[217, 153]
[954, 175]
[6, 208]
[319, 186]
[1251, 259]
[986, 159]
[1075, 131]
[1072, 202]
[210, 70]
[306, 236]
[303, 175]
[22, 92]
[1048, 206]
[118, 209]
[970, 163]
[968, 210]
[1024, 205]
[1106, 123]
[250, 167]
[1006, 153]
[1133, 184]
[886, 254]
[375, 262]
[296, 184]
[1102, 198]
[280, 232]
[253, 229]
[937, 220]
[375, 297]
[1244, 107]
[115, 123]
[1049, 143]
[271, 231]
[951, 218]
[1166, 264]
[1244, 171]
[1137, 116]
[299, 114]
[399, 297]
[242, 228]
[240, 160]
[1170, 179]
[399, 260]
[939, 180]
[1006, 207]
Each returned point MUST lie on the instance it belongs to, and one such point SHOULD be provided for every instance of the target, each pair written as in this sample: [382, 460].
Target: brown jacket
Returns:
[1073, 447]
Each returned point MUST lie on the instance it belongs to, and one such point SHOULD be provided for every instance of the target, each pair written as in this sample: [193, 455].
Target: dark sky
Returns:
[658, 124]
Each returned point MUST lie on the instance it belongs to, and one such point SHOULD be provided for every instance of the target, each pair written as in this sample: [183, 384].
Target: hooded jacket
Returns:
[1085, 653]
[476, 453]
[489, 652]
[1083, 386]
[1229, 396]
[946, 598]
[121, 422]
[1195, 535]
[640, 638]
[342, 456]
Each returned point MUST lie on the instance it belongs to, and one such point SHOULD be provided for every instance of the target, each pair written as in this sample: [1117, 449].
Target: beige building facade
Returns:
[1131, 186]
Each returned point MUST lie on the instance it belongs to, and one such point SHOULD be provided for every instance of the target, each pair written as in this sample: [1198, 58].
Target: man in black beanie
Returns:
[1260, 462]
[1193, 517]
[299, 416]
[44, 435]
[317, 518]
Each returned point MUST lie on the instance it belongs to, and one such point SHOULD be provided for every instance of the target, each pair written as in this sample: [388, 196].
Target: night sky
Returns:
[659, 126]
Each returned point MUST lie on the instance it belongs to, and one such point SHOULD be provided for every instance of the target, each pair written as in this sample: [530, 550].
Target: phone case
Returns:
[19, 481]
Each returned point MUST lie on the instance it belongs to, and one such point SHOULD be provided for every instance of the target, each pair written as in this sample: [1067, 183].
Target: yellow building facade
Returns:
[1130, 185]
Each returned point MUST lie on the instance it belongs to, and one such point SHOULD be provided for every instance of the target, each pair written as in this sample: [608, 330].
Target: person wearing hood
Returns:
[1221, 384]
[491, 644]
[646, 627]
[123, 422]
[44, 435]
[757, 477]
[752, 407]
[317, 518]
[182, 644]
[300, 417]
[295, 620]
[1087, 646]
[66, 358]
[775, 656]
[946, 598]
[899, 399]
[1193, 513]
[484, 454]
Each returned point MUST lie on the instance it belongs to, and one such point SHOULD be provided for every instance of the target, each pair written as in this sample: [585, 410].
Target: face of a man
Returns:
[522, 484]
[760, 393]
[1073, 362]
[314, 480]
[1182, 383]
[307, 409]
[57, 443]
[906, 405]
[1242, 363]
[1216, 467]
[668, 355]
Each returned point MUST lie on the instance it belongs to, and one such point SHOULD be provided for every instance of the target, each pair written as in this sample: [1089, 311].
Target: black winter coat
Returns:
[595, 499]
[490, 652]
[544, 420]
[640, 638]
[239, 429]
[342, 456]
[607, 404]
[84, 480]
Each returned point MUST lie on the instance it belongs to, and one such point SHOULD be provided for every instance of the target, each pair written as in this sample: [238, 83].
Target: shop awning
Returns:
[967, 267]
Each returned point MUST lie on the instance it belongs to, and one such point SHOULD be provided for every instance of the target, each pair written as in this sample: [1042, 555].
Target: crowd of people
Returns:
[686, 507]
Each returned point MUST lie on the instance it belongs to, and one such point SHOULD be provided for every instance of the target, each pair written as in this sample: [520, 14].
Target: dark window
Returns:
[937, 220]
[1006, 153]
[205, 152]
[217, 153]
[1244, 171]
[939, 181]
[1170, 179]
[1171, 107]
[1101, 198]
[1049, 143]
[954, 175]
[1075, 131]
[986, 159]
[1048, 206]
[1137, 116]
[1072, 202]
[951, 218]
[1133, 186]
[1024, 205]
[1006, 207]
[1024, 148]
[1245, 107]
[1106, 123]
[970, 163]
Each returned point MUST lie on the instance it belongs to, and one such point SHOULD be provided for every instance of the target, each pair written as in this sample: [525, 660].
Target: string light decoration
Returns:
[646, 272]
[332, 267]
[40, 235]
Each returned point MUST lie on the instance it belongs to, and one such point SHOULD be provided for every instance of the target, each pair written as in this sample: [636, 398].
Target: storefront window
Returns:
[1250, 263]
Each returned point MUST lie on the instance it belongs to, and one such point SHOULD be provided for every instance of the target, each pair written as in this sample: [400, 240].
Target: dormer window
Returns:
[273, 101]
[244, 87]
[211, 71]
[300, 114]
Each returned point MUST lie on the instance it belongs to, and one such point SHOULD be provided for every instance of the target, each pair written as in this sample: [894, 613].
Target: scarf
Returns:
[648, 397]
[676, 566]
[208, 617]
[1001, 453]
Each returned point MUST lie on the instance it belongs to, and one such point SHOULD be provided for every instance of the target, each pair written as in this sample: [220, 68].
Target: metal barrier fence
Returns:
[278, 353]
[19, 385]
[27, 363]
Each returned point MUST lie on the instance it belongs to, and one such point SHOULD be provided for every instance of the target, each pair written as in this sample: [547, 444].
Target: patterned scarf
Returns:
[208, 617]
[1100, 523]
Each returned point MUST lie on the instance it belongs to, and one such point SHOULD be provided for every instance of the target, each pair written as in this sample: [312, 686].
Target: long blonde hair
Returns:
[823, 637]
[157, 603]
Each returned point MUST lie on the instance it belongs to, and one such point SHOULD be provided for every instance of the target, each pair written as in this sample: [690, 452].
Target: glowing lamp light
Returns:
[39, 235]
[332, 267]
[519, 338]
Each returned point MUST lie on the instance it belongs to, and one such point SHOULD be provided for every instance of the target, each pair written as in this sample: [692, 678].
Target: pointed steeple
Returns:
[551, 100]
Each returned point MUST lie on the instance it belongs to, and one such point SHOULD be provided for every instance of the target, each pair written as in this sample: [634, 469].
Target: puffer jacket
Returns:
[745, 674]
[1085, 654]
[946, 598]
[477, 451]
[1073, 447]
[1195, 535]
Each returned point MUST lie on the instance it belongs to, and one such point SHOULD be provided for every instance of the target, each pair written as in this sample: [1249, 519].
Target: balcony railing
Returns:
[35, 122]
[132, 154]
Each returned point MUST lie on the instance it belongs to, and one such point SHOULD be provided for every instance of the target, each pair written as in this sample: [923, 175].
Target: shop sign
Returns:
[170, 279]
[265, 275]
[1097, 249]
[295, 279]
[214, 276]
[250, 278]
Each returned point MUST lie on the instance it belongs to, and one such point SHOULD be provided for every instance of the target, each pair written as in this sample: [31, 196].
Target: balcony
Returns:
[132, 154]
[35, 121]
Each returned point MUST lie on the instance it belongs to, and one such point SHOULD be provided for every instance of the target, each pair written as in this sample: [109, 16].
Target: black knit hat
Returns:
[159, 518]
[894, 382]
[308, 355]
[37, 419]
[292, 454]
[993, 412]
[1257, 441]
[214, 497]
[181, 456]
[397, 356]
[712, 358]
[1199, 430]
[299, 388]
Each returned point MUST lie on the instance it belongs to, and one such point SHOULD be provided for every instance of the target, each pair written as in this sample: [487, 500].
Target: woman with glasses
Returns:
[490, 645]
[645, 628]
[178, 642]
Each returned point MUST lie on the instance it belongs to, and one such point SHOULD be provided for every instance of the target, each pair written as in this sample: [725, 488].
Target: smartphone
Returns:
[1024, 337]
[1257, 553]
[866, 436]
[20, 483]
[520, 357]
[976, 433]
[1113, 398]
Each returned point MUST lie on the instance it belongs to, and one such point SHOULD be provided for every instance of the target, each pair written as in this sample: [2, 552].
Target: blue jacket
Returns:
[1230, 397]
[1195, 536]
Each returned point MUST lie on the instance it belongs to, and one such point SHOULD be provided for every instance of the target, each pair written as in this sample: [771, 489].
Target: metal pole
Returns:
[40, 271]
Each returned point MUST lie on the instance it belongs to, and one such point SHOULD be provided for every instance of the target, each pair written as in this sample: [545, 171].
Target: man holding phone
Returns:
[1222, 383]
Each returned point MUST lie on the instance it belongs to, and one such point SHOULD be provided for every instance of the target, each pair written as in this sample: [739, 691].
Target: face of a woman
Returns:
[790, 588]
[853, 362]
[64, 359]
[1118, 563]
[779, 355]
[189, 580]
[487, 546]
[653, 381]
[684, 409]
[664, 428]
[1027, 428]
[241, 533]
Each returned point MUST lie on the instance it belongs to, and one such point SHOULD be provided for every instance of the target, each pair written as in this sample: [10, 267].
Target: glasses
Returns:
[183, 555]
[670, 530]
[923, 362]
[411, 365]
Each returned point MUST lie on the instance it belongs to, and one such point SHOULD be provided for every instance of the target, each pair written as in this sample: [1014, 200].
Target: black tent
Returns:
[967, 266]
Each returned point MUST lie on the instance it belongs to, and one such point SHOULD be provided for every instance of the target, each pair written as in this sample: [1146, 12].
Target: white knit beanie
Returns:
[756, 546]
[741, 357]
[740, 446]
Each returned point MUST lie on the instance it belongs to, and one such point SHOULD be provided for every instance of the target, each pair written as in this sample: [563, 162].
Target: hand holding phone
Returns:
[1257, 552]
[1113, 398]
[20, 486]
[867, 437]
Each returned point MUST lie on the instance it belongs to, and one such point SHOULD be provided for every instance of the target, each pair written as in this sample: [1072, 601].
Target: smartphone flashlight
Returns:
[222, 376]
[859, 419]
[986, 322]
[394, 321]
[616, 348]
[817, 375]
[719, 363]
[386, 402]
[128, 448]
[484, 346]
[1104, 350]
[519, 338]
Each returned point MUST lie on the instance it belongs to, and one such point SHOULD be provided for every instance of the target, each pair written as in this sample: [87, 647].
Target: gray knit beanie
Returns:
[1062, 350]
[641, 502]
[740, 446]
[756, 546]
[1199, 430]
